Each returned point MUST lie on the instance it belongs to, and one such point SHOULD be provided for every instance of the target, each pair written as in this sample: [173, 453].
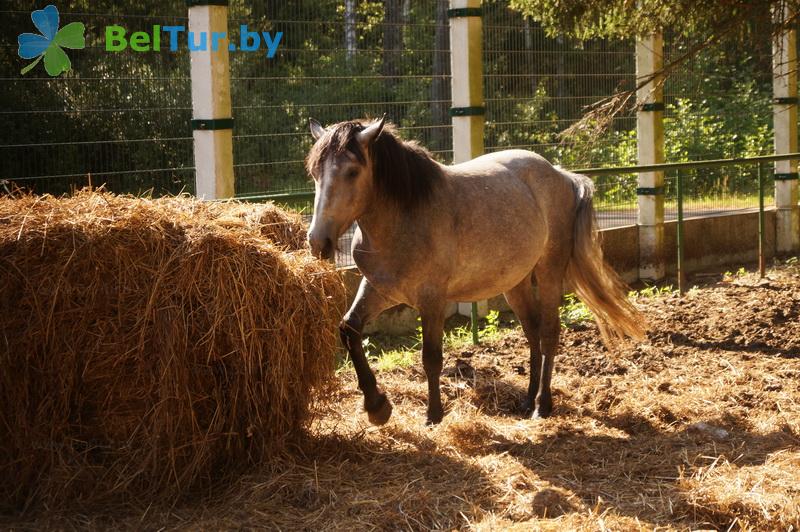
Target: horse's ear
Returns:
[372, 132]
[316, 129]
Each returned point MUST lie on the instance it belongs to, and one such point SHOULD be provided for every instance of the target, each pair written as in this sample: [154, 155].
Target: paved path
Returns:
[611, 219]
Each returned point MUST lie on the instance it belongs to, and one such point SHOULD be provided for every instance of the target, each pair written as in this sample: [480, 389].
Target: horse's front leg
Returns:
[432, 315]
[366, 306]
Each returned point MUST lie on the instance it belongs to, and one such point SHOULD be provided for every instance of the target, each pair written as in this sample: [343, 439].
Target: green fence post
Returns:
[681, 282]
[761, 260]
[474, 322]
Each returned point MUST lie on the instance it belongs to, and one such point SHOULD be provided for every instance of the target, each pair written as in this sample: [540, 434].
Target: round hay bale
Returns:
[153, 346]
[285, 229]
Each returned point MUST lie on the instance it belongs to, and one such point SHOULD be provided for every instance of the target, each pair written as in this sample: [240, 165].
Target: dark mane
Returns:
[404, 171]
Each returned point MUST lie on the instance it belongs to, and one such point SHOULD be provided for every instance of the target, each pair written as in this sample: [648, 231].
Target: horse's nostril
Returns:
[326, 252]
[322, 246]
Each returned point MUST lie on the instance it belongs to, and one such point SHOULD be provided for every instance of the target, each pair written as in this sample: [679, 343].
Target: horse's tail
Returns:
[595, 283]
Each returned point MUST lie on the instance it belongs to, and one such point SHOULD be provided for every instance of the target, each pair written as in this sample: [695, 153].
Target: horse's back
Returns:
[502, 173]
[505, 206]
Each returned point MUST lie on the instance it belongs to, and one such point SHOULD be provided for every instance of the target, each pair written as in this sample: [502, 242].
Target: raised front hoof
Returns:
[380, 412]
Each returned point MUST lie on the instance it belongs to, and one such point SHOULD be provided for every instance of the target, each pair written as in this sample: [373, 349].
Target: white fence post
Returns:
[467, 112]
[784, 120]
[212, 121]
[650, 143]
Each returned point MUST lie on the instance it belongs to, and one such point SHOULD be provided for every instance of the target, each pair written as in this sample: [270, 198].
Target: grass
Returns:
[387, 353]
[739, 201]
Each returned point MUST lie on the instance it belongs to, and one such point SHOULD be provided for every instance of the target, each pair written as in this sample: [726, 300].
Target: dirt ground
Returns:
[698, 427]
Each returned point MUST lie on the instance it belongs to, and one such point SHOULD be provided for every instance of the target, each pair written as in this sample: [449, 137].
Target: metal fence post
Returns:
[650, 143]
[467, 112]
[680, 236]
[761, 259]
[212, 121]
[784, 84]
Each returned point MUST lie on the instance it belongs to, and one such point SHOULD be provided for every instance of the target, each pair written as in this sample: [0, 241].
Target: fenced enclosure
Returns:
[122, 119]
[119, 119]
[338, 61]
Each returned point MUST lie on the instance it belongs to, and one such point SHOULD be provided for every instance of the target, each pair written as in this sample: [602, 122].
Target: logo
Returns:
[140, 41]
[49, 45]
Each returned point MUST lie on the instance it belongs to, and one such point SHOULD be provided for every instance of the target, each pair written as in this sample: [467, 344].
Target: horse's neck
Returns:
[388, 224]
[381, 223]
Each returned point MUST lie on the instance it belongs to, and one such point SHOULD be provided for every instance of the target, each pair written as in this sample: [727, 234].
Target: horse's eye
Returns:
[352, 174]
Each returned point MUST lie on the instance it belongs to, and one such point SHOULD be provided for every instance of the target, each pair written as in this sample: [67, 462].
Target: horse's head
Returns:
[341, 167]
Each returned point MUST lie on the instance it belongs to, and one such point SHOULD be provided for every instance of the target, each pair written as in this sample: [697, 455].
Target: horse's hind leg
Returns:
[523, 302]
[549, 279]
[367, 305]
[432, 315]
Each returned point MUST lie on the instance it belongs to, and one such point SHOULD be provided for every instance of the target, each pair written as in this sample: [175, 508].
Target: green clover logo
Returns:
[49, 44]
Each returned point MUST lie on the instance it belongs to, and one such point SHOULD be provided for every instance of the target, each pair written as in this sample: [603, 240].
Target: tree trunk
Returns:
[350, 28]
[440, 99]
[392, 41]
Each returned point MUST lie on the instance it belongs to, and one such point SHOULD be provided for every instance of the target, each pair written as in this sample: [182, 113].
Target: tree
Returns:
[715, 22]
[439, 88]
[350, 27]
[623, 18]
[392, 41]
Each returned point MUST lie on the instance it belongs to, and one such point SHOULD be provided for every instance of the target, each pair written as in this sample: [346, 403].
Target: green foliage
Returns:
[574, 311]
[461, 336]
[393, 359]
[732, 276]
[653, 291]
[458, 337]
[134, 109]
[384, 354]
[532, 110]
[492, 325]
[623, 18]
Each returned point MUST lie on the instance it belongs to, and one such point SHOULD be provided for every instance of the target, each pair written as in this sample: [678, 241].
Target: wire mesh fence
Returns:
[115, 119]
[727, 189]
[536, 86]
[718, 105]
[123, 118]
[338, 61]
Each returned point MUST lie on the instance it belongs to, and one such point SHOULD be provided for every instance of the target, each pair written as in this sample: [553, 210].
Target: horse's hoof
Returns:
[434, 418]
[381, 413]
[544, 410]
[526, 407]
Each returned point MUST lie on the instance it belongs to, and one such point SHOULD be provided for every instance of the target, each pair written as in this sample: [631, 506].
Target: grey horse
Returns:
[429, 234]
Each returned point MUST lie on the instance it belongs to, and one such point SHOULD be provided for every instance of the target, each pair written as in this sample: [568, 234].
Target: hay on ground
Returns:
[764, 496]
[153, 346]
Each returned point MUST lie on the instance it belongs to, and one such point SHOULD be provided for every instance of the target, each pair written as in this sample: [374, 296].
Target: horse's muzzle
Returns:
[322, 248]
